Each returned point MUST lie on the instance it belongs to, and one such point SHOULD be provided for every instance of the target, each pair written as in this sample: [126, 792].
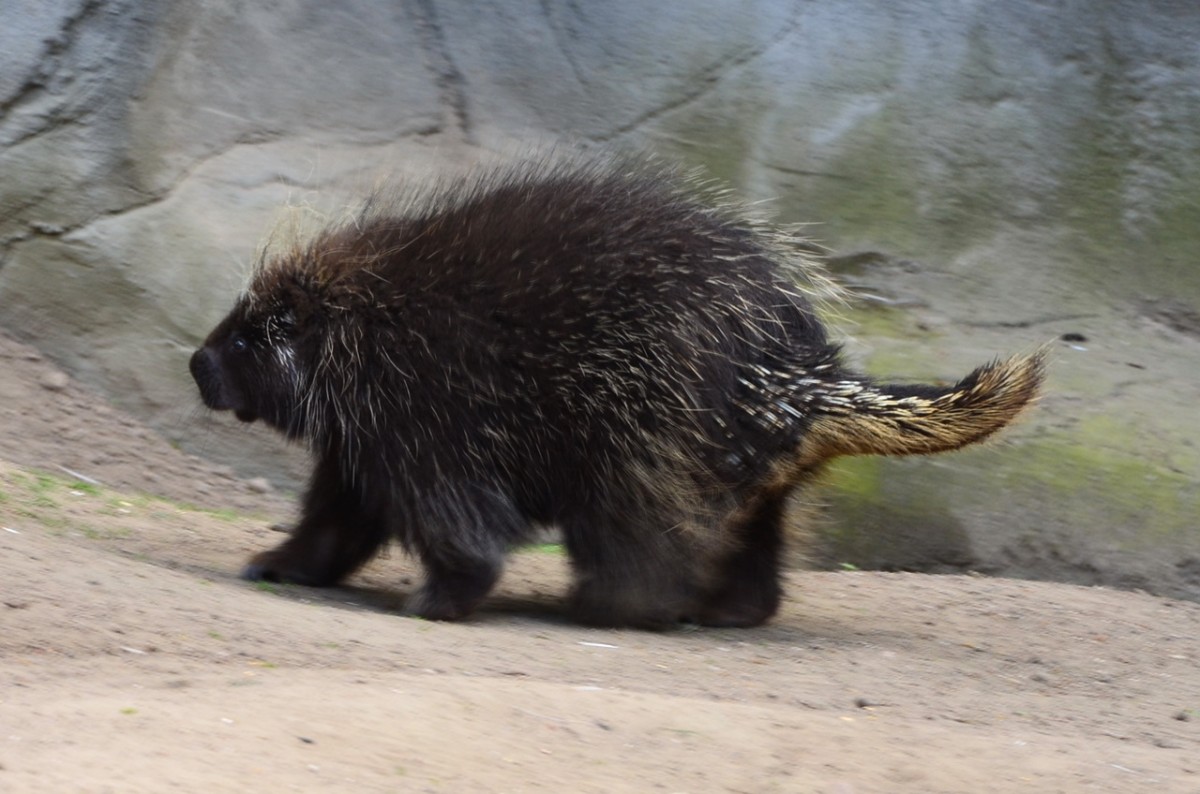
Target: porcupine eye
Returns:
[238, 344]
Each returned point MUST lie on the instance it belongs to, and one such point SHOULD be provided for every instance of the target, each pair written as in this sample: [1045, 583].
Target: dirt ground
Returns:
[132, 659]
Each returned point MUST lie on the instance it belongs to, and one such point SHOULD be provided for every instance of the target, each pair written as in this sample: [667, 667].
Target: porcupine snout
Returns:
[208, 380]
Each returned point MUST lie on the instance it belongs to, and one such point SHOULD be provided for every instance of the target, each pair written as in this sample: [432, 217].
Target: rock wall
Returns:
[988, 175]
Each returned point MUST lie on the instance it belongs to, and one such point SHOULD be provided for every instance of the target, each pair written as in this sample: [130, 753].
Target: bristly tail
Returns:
[864, 418]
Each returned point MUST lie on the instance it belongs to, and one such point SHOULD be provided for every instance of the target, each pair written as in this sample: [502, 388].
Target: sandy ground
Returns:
[132, 659]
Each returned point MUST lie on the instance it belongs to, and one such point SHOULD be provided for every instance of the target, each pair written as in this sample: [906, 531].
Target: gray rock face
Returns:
[989, 175]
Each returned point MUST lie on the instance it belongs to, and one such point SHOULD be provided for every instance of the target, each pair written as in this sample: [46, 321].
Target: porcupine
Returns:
[608, 347]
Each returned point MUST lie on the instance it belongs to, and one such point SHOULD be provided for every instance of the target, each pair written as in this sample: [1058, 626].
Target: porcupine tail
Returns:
[858, 417]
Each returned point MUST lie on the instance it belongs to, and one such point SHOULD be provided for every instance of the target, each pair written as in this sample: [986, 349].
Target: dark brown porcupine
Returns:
[606, 347]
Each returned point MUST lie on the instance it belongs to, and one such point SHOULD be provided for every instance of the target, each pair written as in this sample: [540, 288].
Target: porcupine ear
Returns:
[299, 303]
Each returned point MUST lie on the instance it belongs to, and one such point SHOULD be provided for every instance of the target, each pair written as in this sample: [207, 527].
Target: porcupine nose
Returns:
[204, 370]
[199, 365]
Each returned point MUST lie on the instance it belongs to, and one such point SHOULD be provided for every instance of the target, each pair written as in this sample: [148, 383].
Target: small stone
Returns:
[50, 229]
[54, 380]
[259, 485]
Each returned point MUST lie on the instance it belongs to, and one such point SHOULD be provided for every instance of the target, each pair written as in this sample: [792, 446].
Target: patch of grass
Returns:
[684, 732]
[42, 488]
[51, 522]
[44, 485]
[15, 478]
[96, 533]
[423, 625]
[266, 587]
[545, 548]
[115, 507]
[220, 513]
[44, 500]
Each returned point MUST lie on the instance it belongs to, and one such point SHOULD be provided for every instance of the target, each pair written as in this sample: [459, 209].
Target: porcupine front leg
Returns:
[461, 538]
[334, 538]
[456, 581]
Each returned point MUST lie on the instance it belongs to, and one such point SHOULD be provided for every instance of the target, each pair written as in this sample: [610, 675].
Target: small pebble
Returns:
[259, 485]
[54, 380]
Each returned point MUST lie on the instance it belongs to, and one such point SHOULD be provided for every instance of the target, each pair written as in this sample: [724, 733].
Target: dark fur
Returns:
[599, 347]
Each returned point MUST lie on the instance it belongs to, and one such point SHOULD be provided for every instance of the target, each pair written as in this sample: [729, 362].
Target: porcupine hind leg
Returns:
[334, 538]
[627, 577]
[746, 590]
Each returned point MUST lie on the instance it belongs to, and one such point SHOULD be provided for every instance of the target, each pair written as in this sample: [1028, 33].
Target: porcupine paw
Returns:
[593, 604]
[279, 565]
[452, 595]
[740, 604]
